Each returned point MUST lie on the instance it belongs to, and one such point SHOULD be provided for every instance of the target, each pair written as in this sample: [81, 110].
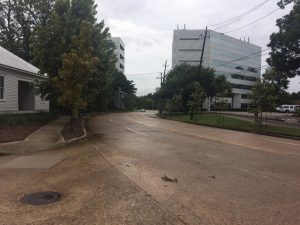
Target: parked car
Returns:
[287, 108]
[142, 110]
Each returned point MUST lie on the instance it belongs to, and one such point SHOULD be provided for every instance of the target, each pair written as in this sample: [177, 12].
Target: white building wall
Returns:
[219, 50]
[10, 102]
[120, 53]
[41, 104]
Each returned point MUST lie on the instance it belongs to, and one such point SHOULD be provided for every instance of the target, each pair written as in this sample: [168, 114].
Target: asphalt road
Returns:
[224, 177]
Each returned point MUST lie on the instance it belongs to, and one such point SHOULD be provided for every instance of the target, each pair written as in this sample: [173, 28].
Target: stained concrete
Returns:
[33, 162]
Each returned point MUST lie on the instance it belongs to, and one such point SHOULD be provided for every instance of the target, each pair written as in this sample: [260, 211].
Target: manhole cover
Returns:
[41, 198]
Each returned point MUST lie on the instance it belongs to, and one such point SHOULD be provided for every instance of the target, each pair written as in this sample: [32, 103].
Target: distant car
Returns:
[287, 108]
[142, 110]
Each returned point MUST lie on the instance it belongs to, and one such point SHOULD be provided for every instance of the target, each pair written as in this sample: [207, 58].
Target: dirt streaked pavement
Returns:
[94, 192]
[224, 177]
[114, 177]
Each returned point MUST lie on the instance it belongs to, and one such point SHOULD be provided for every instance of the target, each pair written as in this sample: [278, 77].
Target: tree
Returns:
[18, 20]
[224, 91]
[120, 82]
[52, 40]
[263, 100]
[78, 66]
[279, 83]
[181, 80]
[198, 97]
[285, 49]
[283, 3]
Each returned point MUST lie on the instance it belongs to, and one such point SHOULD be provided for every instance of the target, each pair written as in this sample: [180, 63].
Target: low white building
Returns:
[120, 53]
[16, 90]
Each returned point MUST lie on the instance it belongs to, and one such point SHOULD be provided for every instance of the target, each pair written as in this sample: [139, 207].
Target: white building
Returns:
[222, 53]
[120, 53]
[16, 90]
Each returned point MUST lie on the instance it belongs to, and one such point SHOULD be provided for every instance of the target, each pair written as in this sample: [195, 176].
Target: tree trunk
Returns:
[72, 123]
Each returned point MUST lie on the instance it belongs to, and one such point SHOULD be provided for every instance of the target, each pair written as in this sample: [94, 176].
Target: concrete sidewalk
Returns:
[93, 191]
[45, 138]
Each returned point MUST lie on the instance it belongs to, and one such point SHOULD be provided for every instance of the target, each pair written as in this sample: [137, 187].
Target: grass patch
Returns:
[25, 119]
[226, 122]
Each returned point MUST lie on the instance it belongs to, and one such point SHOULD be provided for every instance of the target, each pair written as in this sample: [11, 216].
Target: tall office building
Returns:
[120, 53]
[222, 53]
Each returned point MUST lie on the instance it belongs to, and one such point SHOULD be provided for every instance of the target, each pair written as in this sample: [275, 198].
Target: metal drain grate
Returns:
[41, 198]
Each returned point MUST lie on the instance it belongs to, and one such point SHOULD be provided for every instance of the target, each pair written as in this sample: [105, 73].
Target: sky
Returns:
[146, 27]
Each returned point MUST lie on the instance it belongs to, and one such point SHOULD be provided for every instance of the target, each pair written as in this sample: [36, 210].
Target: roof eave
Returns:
[23, 71]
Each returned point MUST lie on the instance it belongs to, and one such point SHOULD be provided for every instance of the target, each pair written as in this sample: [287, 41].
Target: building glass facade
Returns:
[239, 61]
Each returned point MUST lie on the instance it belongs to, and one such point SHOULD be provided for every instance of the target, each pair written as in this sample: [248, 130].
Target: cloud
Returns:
[146, 27]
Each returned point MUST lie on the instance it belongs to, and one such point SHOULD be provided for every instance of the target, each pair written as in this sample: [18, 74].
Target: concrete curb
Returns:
[63, 141]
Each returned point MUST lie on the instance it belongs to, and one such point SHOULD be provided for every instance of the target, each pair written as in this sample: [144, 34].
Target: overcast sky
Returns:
[146, 27]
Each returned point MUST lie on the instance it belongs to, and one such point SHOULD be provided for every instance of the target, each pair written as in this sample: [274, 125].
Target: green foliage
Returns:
[181, 80]
[54, 39]
[78, 66]
[18, 20]
[263, 99]
[197, 100]
[131, 102]
[285, 51]
[120, 82]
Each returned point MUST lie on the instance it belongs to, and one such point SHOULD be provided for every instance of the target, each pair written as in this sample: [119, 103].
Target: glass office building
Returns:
[238, 60]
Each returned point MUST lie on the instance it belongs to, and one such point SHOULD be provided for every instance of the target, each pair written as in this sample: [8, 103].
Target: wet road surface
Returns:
[224, 177]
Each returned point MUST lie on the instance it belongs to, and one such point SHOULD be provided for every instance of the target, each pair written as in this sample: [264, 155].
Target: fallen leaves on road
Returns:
[167, 179]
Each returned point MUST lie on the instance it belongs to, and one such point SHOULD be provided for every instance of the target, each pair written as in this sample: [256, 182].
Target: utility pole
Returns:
[202, 53]
[201, 61]
[162, 80]
[165, 70]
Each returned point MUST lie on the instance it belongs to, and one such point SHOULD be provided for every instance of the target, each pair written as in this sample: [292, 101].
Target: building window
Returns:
[190, 50]
[189, 61]
[242, 86]
[189, 39]
[1, 87]
[246, 96]
[122, 48]
[251, 69]
[242, 77]
[121, 66]
[121, 56]
[239, 68]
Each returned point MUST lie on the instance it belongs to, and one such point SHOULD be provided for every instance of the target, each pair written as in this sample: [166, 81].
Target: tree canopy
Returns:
[18, 20]
[285, 45]
[181, 80]
[53, 39]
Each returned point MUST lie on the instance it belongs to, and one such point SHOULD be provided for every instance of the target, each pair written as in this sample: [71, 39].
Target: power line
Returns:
[242, 58]
[255, 21]
[242, 15]
[143, 74]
